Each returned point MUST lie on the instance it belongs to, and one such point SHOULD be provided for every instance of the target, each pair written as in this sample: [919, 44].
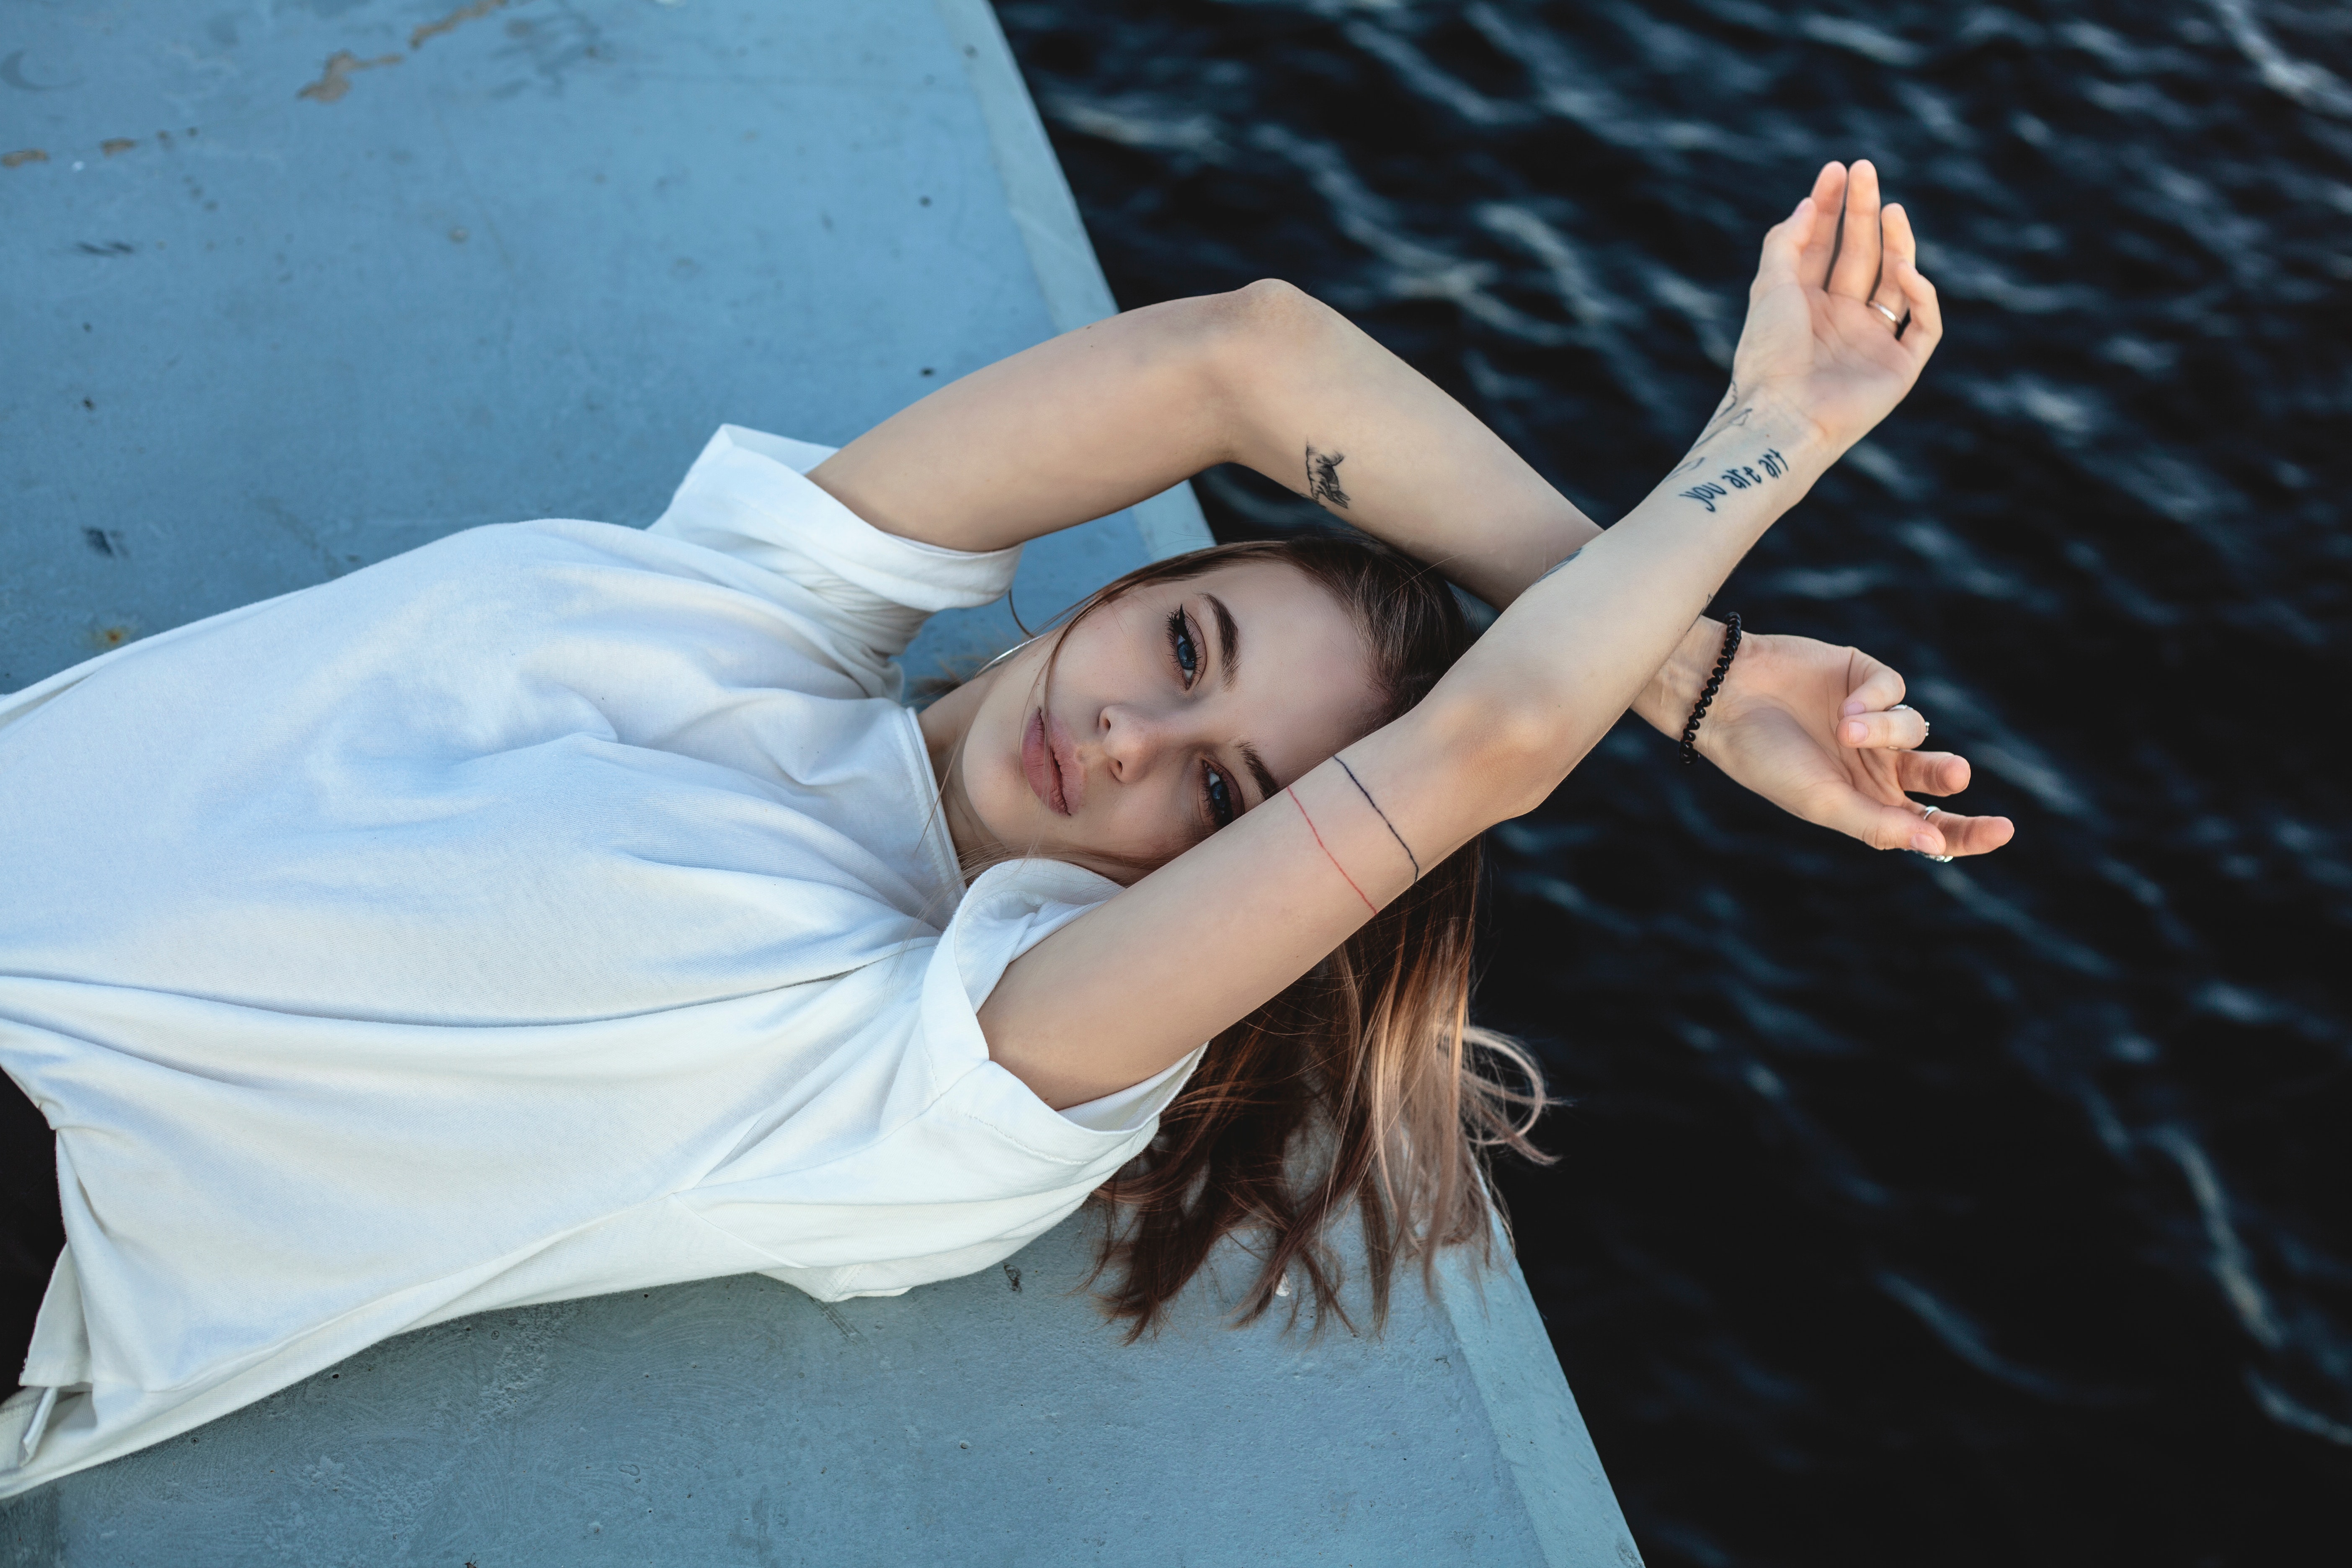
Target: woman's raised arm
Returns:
[1202, 941]
[1099, 418]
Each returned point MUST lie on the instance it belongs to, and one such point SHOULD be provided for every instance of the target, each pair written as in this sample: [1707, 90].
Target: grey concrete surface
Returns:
[991, 1420]
[522, 267]
[295, 285]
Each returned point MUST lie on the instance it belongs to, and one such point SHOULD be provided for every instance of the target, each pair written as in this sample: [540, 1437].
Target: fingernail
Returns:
[1853, 706]
[1855, 730]
[1922, 843]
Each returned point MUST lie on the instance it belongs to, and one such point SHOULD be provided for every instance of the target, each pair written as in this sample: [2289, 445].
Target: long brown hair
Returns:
[1364, 1084]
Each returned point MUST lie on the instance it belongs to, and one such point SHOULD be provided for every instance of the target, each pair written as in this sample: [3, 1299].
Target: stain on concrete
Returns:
[12, 71]
[336, 80]
[455, 20]
[105, 248]
[105, 541]
[114, 144]
[18, 160]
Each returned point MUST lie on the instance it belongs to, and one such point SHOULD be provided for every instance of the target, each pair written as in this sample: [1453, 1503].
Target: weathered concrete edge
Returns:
[1047, 216]
[1538, 1429]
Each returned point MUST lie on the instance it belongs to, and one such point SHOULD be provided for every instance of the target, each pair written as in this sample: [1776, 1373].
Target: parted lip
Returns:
[1050, 762]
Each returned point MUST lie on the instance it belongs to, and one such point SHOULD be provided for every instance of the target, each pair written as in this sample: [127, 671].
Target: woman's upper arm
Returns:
[1075, 428]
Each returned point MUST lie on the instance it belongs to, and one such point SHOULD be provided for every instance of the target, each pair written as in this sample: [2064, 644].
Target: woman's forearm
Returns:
[1620, 626]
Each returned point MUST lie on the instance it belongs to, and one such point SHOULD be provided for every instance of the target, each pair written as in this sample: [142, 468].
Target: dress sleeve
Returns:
[747, 496]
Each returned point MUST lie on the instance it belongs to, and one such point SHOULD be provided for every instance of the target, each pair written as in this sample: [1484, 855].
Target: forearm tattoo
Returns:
[1559, 563]
[1323, 477]
[1738, 477]
[1730, 414]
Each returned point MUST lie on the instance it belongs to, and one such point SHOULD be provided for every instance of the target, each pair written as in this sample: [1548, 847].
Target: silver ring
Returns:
[1925, 812]
[1926, 728]
[1891, 319]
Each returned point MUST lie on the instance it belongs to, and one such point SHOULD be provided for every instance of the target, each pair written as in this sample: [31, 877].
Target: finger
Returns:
[1931, 773]
[1883, 826]
[1903, 275]
[1829, 193]
[1969, 835]
[1856, 272]
[1784, 245]
[1878, 687]
[1889, 729]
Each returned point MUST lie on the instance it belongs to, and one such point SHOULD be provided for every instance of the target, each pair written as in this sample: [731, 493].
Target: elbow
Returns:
[1516, 746]
[1259, 335]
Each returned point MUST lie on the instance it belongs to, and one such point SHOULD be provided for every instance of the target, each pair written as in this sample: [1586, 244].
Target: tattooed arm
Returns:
[1228, 924]
[1099, 418]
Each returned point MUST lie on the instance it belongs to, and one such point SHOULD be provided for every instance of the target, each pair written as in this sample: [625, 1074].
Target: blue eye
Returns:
[1221, 799]
[1180, 639]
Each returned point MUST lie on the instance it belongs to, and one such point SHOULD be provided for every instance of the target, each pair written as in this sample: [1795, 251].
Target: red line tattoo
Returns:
[1326, 850]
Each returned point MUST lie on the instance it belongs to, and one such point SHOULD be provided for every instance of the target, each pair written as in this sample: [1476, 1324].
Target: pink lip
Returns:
[1050, 761]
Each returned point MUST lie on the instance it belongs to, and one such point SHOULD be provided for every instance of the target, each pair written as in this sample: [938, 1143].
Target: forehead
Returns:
[1303, 688]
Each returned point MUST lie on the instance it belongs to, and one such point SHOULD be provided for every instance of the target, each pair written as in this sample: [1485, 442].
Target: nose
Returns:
[1132, 738]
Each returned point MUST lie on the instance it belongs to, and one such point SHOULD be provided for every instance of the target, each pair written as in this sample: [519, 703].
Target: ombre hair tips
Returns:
[1363, 1086]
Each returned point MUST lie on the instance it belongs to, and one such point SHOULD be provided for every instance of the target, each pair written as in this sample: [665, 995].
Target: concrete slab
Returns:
[993, 1419]
[295, 287]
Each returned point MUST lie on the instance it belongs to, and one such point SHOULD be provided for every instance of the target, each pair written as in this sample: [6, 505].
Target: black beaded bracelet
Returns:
[1714, 684]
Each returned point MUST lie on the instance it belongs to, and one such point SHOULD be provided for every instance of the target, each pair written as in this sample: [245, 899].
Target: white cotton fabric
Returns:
[555, 910]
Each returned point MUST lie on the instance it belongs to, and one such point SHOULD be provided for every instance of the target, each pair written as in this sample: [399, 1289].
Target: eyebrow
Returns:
[1266, 788]
[1229, 664]
[1229, 640]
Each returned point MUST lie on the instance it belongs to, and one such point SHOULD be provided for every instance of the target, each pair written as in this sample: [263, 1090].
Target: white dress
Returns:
[555, 910]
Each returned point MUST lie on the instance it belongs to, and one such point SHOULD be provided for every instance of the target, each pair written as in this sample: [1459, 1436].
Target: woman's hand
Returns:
[1820, 339]
[1816, 730]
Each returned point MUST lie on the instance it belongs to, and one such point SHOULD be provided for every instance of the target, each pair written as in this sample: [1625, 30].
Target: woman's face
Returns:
[1170, 711]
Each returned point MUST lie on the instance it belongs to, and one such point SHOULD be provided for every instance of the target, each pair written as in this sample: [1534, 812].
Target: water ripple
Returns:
[1885, 1187]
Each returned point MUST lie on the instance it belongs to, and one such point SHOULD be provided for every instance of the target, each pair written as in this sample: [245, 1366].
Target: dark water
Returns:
[1990, 1211]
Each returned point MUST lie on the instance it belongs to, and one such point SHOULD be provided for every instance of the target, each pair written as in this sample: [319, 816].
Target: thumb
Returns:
[1784, 243]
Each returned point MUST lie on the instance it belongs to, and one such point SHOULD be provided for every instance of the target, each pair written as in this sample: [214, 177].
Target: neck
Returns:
[945, 725]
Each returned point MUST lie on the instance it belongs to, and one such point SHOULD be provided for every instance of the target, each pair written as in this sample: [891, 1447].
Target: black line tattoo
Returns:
[1738, 477]
[1323, 477]
[1383, 816]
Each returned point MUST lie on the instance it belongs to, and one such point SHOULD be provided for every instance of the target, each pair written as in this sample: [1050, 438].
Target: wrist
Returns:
[1667, 700]
[1811, 446]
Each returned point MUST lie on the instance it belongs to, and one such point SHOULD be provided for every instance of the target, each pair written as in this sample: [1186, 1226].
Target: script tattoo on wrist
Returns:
[1738, 477]
[1323, 477]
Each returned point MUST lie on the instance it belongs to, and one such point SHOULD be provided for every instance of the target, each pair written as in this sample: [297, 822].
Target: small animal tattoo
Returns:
[1323, 478]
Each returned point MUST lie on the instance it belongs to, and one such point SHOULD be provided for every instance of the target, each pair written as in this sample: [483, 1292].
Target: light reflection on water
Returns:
[1994, 1208]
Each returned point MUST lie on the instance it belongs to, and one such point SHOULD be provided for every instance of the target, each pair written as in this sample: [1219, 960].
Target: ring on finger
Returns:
[1925, 812]
[1897, 322]
[1926, 728]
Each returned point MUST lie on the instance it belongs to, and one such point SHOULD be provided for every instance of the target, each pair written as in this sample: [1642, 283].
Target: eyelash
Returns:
[1181, 648]
[1216, 790]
